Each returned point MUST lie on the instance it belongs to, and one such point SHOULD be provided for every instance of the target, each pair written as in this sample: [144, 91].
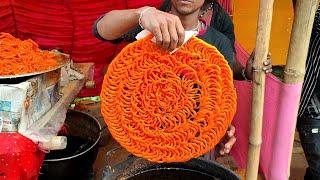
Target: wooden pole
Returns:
[298, 50]
[261, 51]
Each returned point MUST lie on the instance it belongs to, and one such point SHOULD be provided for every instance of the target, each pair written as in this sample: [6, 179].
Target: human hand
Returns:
[267, 66]
[166, 28]
[228, 142]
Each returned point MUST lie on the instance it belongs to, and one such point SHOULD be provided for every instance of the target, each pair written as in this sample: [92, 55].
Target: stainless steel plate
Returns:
[62, 61]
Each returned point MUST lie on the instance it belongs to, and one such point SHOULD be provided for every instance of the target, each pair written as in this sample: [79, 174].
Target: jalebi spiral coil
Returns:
[168, 107]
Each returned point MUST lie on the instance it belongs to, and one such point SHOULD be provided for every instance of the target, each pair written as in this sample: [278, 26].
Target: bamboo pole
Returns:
[299, 42]
[261, 51]
[298, 49]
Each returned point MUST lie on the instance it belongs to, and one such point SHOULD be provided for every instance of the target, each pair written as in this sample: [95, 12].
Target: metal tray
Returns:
[62, 61]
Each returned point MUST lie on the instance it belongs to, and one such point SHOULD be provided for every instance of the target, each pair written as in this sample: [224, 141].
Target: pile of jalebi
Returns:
[20, 57]
[168, 107]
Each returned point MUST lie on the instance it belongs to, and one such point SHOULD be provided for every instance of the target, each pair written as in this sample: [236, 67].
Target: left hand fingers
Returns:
[267, 64]
[268, 61]
[269, 55]
[226, 148]
[231, 131]
[230, 140]
[221, 151]
[267, 69]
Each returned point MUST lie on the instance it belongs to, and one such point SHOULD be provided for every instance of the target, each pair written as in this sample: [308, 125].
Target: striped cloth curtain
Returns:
[227, 5]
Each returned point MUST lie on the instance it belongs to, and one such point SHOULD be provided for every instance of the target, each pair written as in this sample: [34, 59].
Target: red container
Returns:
[20, 158]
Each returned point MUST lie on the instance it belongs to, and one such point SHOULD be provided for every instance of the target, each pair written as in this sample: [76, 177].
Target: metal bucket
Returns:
[122, 165]
[74, 162]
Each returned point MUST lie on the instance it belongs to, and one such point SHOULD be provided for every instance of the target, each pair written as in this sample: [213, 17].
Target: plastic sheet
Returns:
[50, 126]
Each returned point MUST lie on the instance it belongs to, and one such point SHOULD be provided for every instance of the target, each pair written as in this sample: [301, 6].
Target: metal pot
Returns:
[128, 167]
[83, 135]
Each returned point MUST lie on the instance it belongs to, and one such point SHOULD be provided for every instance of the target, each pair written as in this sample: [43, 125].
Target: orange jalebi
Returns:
[20, 57]
[168, 108]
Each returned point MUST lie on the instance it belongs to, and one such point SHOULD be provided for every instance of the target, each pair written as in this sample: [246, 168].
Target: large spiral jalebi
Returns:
[168, 108]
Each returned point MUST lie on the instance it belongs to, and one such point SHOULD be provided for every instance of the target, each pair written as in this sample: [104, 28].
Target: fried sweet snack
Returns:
[21, 57]
[168, 107]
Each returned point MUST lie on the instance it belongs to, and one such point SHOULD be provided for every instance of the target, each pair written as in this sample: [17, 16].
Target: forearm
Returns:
[118, 22]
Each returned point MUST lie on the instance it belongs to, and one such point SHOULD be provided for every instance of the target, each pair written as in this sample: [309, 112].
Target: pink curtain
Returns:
[278, 123]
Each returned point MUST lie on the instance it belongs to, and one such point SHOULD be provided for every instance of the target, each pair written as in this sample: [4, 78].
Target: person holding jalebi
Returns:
[168, 27]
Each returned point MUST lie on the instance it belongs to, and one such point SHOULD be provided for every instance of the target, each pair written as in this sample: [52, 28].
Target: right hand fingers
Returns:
[174, 38]
[176, 32]
[158, 35]
[172, 32]
[167, 29]
[180, 31]
[166, 38]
